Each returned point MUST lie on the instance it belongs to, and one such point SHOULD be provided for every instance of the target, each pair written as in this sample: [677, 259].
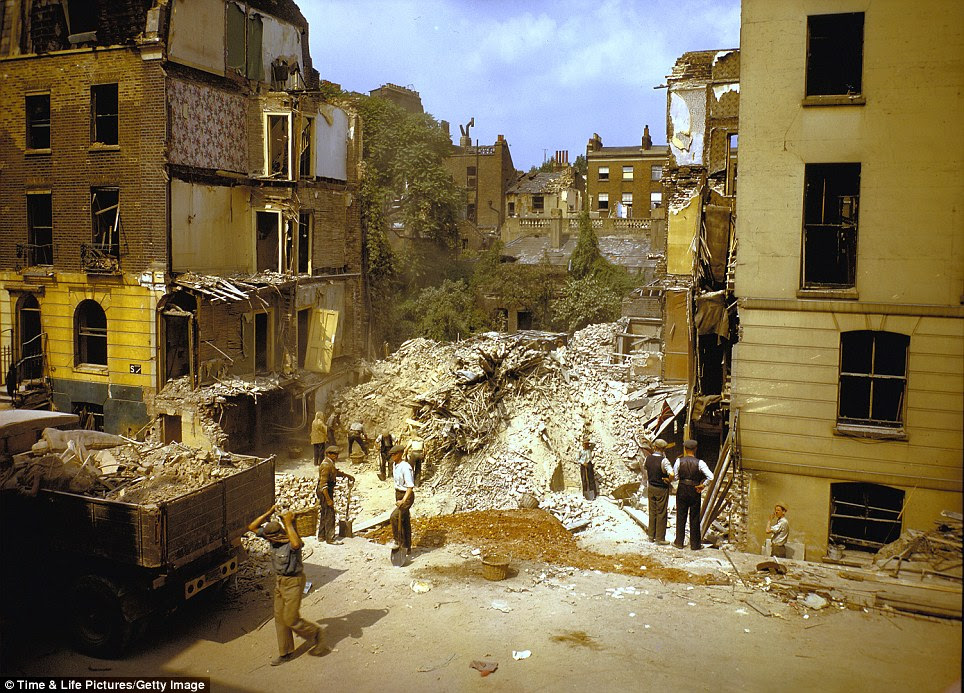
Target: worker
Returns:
[356, 434]
[289, 585]
[401, 518]
[692, 474]
[319, 437]
[657, 473]
[385, 443]
[328, 474]
[331, 423]
[587, 473]
[415, 454]
[778, 529]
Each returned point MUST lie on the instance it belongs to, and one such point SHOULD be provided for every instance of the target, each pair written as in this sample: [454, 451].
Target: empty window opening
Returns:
[304, 243]
[178, 323]
[655, 200]
[511, 208]
[303, 318]
[269, 241]
[170, 428]
[732, 139]
[538, 204]
[90, 328]
[261, 342]
[470, 176]
[627, 172]
[602, 202]
[30, 338]
[105, 220]
[38, 121]
[103, 114]
[276, 145]
[656, 173]
[524, 320]
[40, 229]
[91, 415]
[84, 16]
[288, 259]
[835, 53]
[603, 173]
[865, 516]
[831, 194]
[307, 135]
[873, 378]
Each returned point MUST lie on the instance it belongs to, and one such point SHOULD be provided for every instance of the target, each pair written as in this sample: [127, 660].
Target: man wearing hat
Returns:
[404, 477]
[328, 474]
[319, 436]
[693, 474]
[658, 473]
[289, 585]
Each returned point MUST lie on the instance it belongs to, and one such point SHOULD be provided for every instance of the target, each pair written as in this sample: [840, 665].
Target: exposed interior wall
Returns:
[683, 223]
[687, 120]
[332, 133]
[196, 34]
[210, 228]
[280, 40]
[676, 336]
[207, 126]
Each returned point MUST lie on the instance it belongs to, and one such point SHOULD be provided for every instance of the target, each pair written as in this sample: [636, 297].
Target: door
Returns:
[322, 328]
[30, 341]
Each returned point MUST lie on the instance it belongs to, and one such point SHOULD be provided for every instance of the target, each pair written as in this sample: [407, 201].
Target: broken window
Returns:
[105, 220]
[831, 192]
[602, 202]
[103, 114]
[603, 173]
[40, 229]
[732, 140]
[538, 204]
[835, 53]
[655, 200]
[627, 172]
[276, 141]
[656, 173]
[304, 243]
[268, 228]
[261, 340]
[91, 416]
[873, 378]
[865, 516]
[38, 121]
[307, 135]
[243, 42]
[90, 328]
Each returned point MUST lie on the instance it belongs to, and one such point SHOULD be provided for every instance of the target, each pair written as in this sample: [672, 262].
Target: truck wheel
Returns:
[97, 623]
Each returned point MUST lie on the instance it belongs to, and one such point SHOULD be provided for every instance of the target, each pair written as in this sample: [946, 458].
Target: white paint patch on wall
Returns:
[331, 144]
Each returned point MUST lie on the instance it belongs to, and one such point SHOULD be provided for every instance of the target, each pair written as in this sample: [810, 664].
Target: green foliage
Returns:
[545, 167]
[445, 313]
[581, 164]
[586, 301]
[586, 258]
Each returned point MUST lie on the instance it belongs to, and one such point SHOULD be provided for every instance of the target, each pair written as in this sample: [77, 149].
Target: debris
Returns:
[420, 586]
[501, 606]
[521, 654]
[484, 666]
[815, 601]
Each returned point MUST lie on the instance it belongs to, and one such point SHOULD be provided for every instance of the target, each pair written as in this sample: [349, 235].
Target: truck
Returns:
[114, 564]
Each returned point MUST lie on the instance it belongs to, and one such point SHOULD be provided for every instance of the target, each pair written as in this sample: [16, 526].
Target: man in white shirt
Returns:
[779, 531]
[693, 475]
[401, 518]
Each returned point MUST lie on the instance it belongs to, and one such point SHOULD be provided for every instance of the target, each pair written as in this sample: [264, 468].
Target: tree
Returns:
[586, 258]
[581, 164]
[445, 313]
[586, 301]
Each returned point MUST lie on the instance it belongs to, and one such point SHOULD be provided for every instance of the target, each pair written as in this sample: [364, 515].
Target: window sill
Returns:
[37, 152]
[90, 369]
[842, 294]
[834, 100]
[874, 432]
[97, 147]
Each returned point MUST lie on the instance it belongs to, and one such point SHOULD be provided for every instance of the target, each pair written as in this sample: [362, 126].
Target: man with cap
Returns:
[404, 477]
[693, 475]
[319, 436]
[385, 443]
[328, 474]
[658, 473]
[289, 585]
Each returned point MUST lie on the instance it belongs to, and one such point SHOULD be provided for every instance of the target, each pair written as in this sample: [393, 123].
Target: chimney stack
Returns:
[595, 143]
[647, 140]
[561, 158]
[445, 129]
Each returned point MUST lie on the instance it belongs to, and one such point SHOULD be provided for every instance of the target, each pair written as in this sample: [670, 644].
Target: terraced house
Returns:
[179, 208]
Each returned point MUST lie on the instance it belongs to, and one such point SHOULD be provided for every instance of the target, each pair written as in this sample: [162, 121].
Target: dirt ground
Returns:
[604, 609]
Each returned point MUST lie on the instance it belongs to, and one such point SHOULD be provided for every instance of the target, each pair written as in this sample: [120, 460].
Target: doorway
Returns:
[30, 341]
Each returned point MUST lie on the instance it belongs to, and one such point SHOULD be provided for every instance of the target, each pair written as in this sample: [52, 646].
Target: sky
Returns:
[547, 75]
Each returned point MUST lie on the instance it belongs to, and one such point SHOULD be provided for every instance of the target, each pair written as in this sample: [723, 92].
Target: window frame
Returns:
[288, 163]
[32, 124]
[816, 90]
[306, 154]
[33, 247]
[874, 377]
[631, 171]
[656, 173]
[814, 233]
[84, 333]
[602, 173]
[600, 199]
[98, 117]
[538, 204]
[113, 248]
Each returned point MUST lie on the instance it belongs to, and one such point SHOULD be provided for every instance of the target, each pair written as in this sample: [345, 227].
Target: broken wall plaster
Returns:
[687, 120]
[190, 38]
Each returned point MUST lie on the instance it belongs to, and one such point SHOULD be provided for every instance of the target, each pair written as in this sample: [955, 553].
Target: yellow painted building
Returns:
[849, 372]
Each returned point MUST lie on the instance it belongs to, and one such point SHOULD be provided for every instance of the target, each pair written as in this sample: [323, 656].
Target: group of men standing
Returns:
[691, 475]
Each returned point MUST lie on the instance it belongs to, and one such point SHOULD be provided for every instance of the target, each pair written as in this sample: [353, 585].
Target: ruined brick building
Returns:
[179, 206]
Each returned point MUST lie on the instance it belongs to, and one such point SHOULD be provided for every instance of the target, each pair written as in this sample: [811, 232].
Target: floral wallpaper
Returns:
[207, 127]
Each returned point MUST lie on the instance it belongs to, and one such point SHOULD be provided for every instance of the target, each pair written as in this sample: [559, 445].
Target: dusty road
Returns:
[584, 630]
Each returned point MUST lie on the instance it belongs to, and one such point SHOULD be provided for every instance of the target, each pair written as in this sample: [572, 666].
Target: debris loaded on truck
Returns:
[126, 531]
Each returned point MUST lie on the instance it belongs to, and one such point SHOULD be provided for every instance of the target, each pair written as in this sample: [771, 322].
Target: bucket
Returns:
[306, 522]
[495, 566]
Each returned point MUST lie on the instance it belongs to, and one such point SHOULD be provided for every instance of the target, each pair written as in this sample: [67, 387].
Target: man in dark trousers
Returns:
[328, 474]
[385, 443]
[401, 518]
[693, 475]
[658, 474]
[289, 585]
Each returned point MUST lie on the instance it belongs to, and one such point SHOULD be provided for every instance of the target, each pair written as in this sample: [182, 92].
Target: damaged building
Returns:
[180, 211]
[848, 371]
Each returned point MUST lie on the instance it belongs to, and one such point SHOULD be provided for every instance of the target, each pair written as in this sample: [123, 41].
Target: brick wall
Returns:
[72, 167]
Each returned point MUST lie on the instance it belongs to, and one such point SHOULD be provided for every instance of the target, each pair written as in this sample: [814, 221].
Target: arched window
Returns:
[90, 328]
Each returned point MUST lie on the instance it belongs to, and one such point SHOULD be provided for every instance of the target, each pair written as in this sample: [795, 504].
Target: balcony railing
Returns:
[33, 254]
[100, 258]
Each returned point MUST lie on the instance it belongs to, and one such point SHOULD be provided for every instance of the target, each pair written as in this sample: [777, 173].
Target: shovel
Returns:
[344, 525]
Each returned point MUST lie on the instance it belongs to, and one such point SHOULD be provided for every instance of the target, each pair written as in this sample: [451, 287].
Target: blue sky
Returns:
[547, 75]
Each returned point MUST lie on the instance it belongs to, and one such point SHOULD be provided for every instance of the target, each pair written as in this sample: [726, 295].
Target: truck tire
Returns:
[98, 626]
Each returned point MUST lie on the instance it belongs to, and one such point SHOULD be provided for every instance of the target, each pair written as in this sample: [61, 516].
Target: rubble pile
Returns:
[574, 511]
[936, 552]
[503, 415]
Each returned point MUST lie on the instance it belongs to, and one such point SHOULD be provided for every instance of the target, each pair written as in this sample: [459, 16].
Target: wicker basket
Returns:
[306, 522]
[528, 502]
[495, 566]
